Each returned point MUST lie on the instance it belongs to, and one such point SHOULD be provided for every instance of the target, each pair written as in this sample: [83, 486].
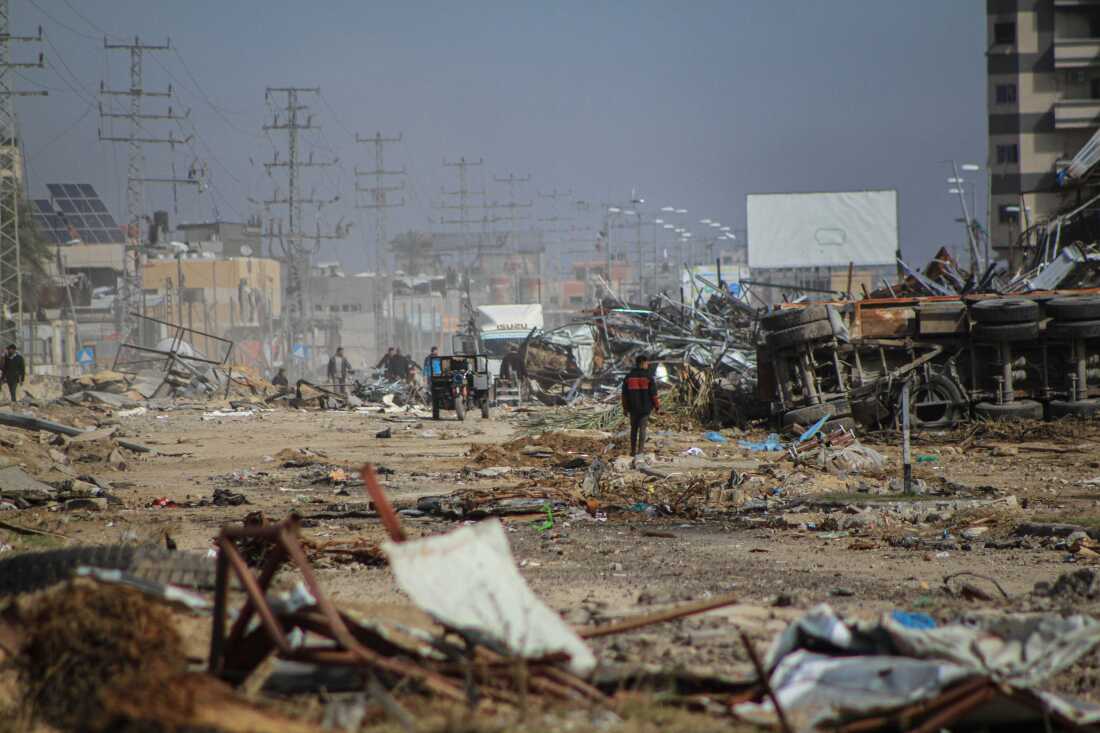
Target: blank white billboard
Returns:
[822, 229]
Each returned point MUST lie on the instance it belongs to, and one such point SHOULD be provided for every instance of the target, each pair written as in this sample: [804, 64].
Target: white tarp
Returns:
[467, 580]
[581, 340]
[822, 229]
[827, 671]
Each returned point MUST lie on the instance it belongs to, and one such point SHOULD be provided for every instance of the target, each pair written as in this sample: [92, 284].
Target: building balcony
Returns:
[1072, 114]
[1076, 53]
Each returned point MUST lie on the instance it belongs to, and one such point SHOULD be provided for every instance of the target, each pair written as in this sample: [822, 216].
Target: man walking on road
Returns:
[14, 370]
[338, 368]
[639, 400]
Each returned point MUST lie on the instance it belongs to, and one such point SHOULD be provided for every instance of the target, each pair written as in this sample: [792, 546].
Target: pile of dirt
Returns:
[484, 456]
[1074, 587]
[567, 443]
[91, 647]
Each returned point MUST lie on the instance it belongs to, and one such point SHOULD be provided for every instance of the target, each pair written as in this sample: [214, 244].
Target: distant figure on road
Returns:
[280, 380]
[338, 369]
[639, 400]
[14, 370]
[511, 366]
[384, 362]
[429, 370]
[399, 366]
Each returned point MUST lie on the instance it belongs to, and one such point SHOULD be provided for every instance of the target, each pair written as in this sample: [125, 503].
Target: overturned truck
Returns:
[1031, 356]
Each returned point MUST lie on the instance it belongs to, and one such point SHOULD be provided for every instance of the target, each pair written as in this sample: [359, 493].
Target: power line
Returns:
[63, 133]
[84, 18]
[60, 23]
[75, 85]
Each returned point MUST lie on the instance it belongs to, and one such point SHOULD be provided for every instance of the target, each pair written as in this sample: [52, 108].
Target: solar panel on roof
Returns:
[98, 206]
[43, 205]
[82, 205]
[87, 190]
[56, 190]
[71, 189]
[66, 206]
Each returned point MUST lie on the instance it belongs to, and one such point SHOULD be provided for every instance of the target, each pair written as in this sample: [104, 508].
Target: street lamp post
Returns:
[958, 182]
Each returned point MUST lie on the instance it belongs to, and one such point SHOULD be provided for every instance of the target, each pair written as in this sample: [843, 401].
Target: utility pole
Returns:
[378, 191]
[11, 180]
[463, 194]
[129, 299]
[296, 303]
[512, 205]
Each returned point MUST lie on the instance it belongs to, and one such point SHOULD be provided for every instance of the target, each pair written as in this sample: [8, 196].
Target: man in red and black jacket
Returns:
[639, 400]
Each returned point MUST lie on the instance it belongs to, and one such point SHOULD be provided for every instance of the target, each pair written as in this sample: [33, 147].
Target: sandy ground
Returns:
[779, 561]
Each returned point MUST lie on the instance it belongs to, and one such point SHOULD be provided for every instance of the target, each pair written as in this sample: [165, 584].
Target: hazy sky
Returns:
[691, 104]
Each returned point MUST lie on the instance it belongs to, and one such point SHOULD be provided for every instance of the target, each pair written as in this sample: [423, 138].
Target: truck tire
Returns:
[1085, 308]
[460, 408]
[804, 334]
[1000, 332]
[790, 317]
[485, 408]
[35, 570]
[936, 403]
[1076, 408]
[808, 415]
[435, 409]
[1005, 310]
[1073, 329]
[1018, 410]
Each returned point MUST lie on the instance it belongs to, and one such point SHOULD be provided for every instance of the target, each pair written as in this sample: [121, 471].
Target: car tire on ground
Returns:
[998, 332]
[1005, 310]
[790, 317]
[804, 334]
[1075, 408]
[808, 415]
[1073, 329]
[1018, 410]
[1085, 308]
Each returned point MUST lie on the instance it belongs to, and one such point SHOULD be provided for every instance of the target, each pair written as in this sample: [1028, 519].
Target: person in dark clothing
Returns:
[511, 366]
[639, 400]
[280, 380]
[14, 370]
[338, 369]
[399, 366]
[384, 362]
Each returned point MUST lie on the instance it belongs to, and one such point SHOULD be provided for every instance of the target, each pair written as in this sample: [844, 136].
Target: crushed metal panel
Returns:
[467, 580]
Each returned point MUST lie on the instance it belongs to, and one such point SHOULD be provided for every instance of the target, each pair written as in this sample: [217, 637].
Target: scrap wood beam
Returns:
[283, 537]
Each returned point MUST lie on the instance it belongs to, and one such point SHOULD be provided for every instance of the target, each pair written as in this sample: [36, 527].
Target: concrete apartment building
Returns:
[1043, 63]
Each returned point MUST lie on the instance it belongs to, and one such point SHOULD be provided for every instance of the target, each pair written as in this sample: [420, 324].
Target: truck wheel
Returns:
[998, 332]
[1005, 310]
[1086, 308]
[791, 317]
[435, 409]
[936, 403]
[808, 415]
[1018, 410]
[485, 408]
[803, 334]
[1077, 408]
[1074, 329]
[460, 407]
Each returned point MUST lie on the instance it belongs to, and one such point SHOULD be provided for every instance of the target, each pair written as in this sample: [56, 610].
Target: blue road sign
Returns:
[85, 356]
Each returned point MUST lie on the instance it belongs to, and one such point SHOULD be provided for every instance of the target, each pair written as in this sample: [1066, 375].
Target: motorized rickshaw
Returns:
[460, 382]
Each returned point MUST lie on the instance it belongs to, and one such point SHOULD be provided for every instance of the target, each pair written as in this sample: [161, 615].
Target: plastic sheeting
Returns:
[822, 229]
[824, 670]
[467, 580]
